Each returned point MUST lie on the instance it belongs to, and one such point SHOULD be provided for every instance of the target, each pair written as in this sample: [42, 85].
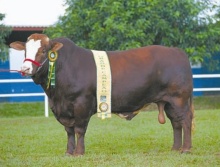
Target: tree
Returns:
[4, 32]
[123, 24]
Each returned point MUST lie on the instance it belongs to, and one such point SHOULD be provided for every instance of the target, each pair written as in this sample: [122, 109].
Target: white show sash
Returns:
[104, 84]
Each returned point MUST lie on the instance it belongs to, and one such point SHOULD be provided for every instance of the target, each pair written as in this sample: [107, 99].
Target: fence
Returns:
[206, 76]
[46, 98]
[46, 112]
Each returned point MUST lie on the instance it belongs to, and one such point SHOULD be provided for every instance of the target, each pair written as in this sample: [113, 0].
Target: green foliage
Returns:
[123, 24]
[4, 32]
[39, 141]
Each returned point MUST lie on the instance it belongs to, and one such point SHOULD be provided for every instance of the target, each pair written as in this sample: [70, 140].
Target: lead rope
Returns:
[6, 70]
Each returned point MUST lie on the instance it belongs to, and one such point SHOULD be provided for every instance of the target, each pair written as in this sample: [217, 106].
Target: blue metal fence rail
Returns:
[46, 98]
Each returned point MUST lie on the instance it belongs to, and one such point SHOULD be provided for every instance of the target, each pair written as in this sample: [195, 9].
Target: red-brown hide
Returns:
[151, 74]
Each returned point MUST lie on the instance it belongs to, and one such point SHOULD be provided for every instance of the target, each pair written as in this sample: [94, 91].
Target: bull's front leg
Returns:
[75, 147]
[80, 145]
[70, 140]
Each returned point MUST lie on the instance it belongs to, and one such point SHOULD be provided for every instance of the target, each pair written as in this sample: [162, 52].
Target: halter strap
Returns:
[33, 61]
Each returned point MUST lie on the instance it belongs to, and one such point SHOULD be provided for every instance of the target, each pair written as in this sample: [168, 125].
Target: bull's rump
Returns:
[148, 74]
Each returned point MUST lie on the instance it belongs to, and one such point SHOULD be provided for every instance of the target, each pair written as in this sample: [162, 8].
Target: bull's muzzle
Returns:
[26, 71]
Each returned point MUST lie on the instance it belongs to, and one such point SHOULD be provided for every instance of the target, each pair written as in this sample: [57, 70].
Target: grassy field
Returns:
[27, 138]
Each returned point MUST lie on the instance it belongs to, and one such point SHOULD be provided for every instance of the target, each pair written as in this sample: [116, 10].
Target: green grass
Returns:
[27, 138]
[21, 109]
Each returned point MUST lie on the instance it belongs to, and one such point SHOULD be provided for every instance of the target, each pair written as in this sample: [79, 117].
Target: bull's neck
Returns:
[41, 76]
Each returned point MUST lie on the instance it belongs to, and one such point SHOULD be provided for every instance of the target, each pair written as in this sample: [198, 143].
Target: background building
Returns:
[19, 33]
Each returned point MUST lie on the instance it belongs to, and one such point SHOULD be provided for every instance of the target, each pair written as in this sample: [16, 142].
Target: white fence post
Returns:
[46, 112]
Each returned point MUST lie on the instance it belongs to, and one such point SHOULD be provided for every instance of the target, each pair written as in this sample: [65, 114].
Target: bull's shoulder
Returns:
[64, 40]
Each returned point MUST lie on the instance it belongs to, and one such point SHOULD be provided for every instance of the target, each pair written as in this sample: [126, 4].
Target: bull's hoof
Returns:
[73, 155]
[77, 155]
[218, 154]
[185, 152]
[176, 149]
[68, 154]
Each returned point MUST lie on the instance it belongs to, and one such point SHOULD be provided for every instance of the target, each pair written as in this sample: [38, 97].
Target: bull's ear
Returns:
[18, 45]
[56, 46]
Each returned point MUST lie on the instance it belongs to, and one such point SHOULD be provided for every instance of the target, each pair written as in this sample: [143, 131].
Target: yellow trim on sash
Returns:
[104, 84]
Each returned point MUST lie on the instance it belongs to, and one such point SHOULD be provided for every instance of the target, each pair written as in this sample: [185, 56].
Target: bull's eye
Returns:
[44, 51]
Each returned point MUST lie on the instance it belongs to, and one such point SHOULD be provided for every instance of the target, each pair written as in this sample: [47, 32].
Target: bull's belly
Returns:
[129, 115]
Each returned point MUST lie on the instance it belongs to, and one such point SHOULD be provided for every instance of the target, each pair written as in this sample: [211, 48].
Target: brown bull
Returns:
[152, 74]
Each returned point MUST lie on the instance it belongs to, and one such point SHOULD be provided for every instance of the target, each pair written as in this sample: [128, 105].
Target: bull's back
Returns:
[143, 74]
[149, 64]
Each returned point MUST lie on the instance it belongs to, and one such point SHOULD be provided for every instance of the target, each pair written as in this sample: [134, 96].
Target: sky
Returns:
[31, 12]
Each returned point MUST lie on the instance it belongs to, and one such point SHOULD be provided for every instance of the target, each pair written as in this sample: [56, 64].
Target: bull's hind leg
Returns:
[177, 128]
[180, 116]
[187, 129]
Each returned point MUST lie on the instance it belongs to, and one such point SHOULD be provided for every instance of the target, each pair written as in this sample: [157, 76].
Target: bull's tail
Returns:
[193, 113]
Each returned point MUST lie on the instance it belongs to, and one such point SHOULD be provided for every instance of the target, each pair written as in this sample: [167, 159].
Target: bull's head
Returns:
[36, 50]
